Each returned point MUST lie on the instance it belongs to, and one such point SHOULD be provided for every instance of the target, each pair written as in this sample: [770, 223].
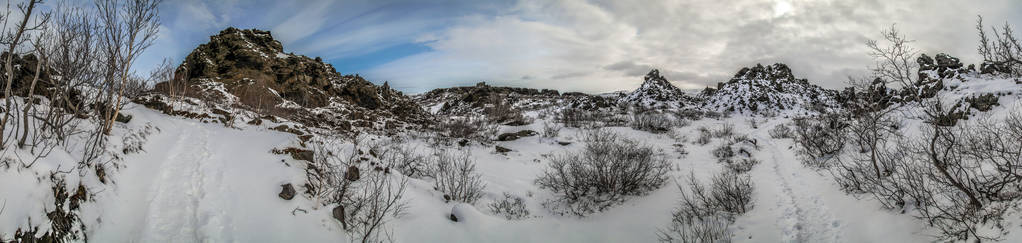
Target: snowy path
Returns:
[797, 204]
[200, 182]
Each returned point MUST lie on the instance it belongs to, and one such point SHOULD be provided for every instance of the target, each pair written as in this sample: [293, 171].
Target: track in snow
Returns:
[788, 206]
[177, 208]
[199, 182]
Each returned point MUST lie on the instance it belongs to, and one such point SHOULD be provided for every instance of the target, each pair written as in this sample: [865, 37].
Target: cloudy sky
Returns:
[580, 45]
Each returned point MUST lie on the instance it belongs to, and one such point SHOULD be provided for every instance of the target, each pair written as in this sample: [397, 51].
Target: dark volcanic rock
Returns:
[769, 89]
[501, 149]
[287, 191]
[656, 92]
[511, 136]
[249, 69]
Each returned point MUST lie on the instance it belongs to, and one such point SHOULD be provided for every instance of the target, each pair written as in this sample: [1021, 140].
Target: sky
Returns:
[590, 46]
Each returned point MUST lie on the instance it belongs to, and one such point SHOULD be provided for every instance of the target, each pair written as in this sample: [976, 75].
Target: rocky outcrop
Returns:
[769, 89]
[474, 100]
[657, 92]
[249, 69]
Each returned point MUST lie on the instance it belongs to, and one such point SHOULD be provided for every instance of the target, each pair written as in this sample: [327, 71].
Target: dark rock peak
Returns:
[654, 75]
[775, 72]
[260, 39]
[656, 91]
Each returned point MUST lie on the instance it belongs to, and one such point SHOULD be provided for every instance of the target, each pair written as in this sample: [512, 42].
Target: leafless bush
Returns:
[581, 118]
[654, 123]
[469, 128]
[608, 170]
[500, 110]
[780, 131]
[1003, 53]
[365, 198]
[688, 114]
[706, 213]
[729, 192]
[819, 138]
[957, 175]
[725, 130]
[692, 230]
[456, 177]
[511, 207]
[736, 154]
[404, 159]
[705, 136]
[550, 130]
[574, 117]
[895, 62]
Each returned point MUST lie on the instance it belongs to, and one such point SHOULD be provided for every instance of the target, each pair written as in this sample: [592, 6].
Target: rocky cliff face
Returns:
[249, 69]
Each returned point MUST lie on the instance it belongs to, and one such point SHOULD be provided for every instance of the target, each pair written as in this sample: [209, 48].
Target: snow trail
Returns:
[793, 203]
[199, 182]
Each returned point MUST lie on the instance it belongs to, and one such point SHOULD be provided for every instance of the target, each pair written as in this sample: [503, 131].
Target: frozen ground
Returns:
[199, 182]
[204, 182]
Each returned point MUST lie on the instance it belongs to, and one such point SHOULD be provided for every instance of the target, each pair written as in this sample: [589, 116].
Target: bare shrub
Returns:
[574, 117]
[725, 130]
[550, 130]
[581, 118]
[500, 110]
[364, 197]
[780, 131]
[372, 204]
[819, 138]
[729, 192]
[511, 207]
[895, 61]
[654, 123]
[404, 159]
[695, 230]
[469, 128]
[688, 114]
[723, 152]
[607, 171]
[456, 177]
[706, 213]
[736, 153]
[1003, 53]
[705, 136]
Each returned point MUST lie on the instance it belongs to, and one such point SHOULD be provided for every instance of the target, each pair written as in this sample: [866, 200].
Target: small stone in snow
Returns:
[287, 191]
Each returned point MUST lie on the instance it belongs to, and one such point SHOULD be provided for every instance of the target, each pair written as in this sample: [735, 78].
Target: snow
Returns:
[797, 204]
[204, 182]
[201, 182]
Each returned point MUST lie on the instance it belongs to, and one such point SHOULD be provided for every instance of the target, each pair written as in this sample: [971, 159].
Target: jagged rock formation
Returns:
[468, 100]
[932, 73]
[249, 69]
[764, 89]
[657, 92]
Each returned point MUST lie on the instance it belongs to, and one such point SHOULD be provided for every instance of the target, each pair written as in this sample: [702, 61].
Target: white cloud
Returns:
[599, 46]
[304, 22]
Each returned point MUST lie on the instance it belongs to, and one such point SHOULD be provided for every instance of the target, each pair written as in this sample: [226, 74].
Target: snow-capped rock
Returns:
[769, 89]
[657, 92]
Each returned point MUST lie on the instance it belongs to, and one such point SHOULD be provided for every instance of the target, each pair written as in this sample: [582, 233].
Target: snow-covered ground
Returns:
[204, 182]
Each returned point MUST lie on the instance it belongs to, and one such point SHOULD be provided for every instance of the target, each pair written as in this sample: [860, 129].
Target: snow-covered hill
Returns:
[657, 93]
[769, 89]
